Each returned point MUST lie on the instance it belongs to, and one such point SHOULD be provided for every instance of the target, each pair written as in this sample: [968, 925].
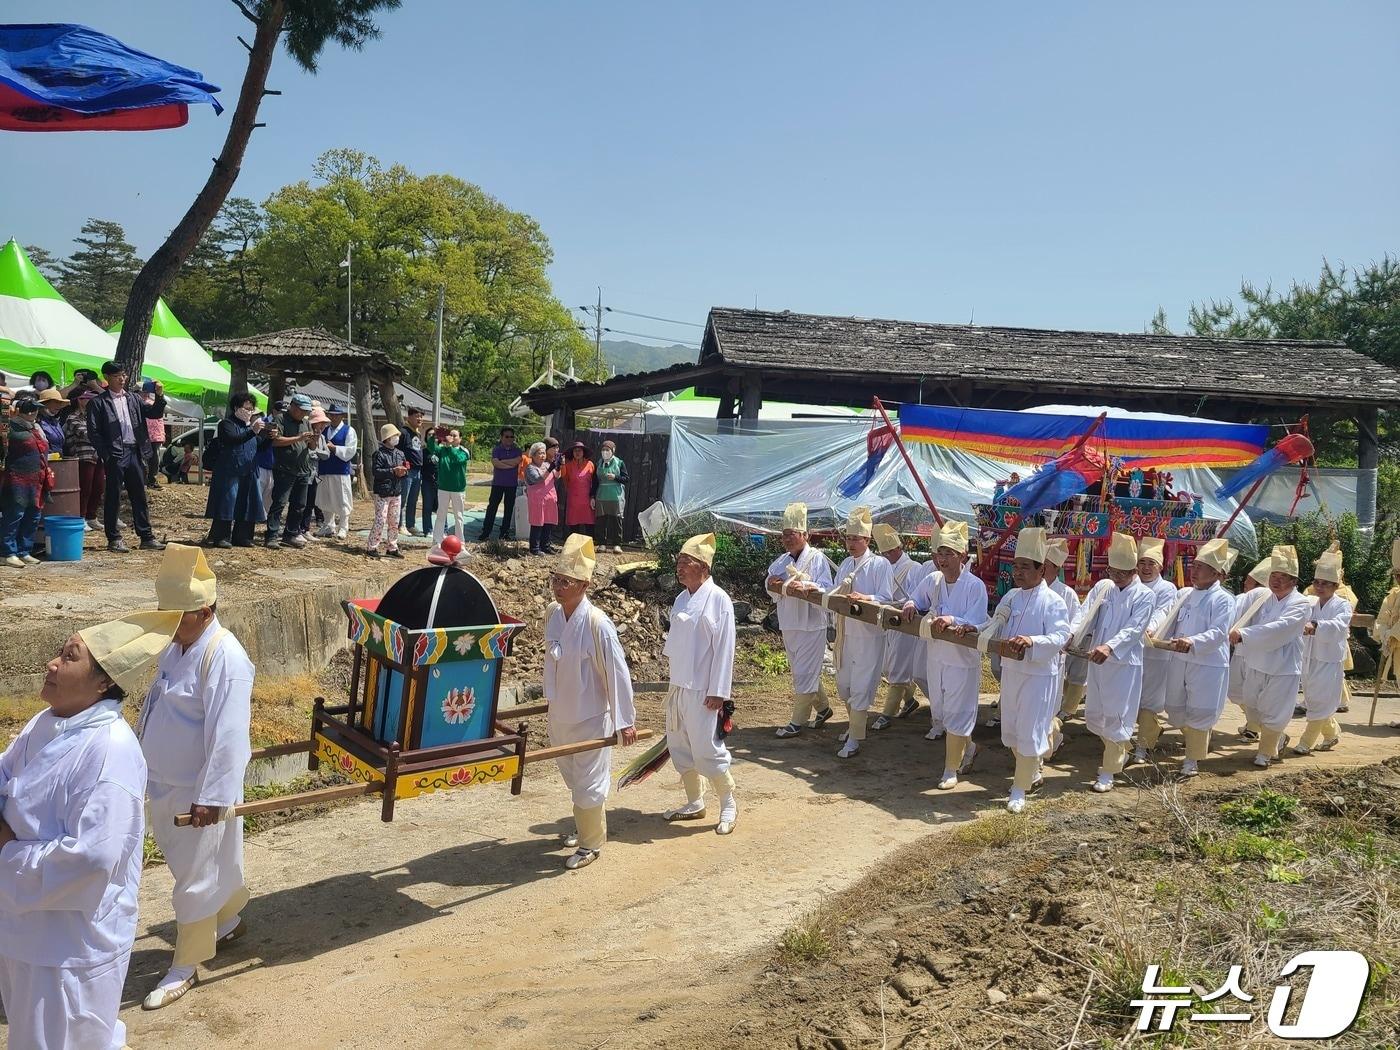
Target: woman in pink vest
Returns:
[578, 490]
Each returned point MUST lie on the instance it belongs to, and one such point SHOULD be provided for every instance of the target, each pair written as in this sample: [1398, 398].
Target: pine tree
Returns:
[44, 261]
[97, 277]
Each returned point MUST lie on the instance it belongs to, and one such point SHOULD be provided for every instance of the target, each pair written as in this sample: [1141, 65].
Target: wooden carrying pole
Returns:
[892, 619]
[305, 798]
[546, 753]
[899, 443]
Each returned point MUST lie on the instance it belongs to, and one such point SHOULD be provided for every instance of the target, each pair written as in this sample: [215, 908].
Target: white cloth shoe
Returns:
[849, 749]
[934, 733]
[789, 730]
[617, 550]
[1189, 768]
[29, 559]
[1016, 802]
[1328, 745]
[949, 781]
[1261, 761]
[881, 722]
[341, 534]
[968, 756]
[690, 811]
[172, 986]
[14, 562]
[728, 816]
[325, 532]
[581, 858]
[1103, 783]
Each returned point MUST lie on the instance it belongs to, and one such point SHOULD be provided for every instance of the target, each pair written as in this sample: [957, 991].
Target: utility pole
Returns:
[598, 334]
[349, 296]
[437, 372]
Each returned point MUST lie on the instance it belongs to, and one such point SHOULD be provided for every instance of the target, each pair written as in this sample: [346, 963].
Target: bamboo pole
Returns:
[562, 750]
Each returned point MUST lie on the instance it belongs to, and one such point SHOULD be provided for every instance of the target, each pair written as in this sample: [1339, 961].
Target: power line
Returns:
[648, 335]
[650, 317]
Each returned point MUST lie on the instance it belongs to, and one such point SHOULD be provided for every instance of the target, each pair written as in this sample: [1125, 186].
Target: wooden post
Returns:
[237, 376]
[391, 783]
[1367, 462]
[751, 400]
[276, 385]
[313, 762]
[364, 426]
[518, 781]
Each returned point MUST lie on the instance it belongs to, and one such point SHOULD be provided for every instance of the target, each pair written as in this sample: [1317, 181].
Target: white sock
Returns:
[728, 808]
[1189, 765]
[178, 975]
[1016, 795]
[1105, 778]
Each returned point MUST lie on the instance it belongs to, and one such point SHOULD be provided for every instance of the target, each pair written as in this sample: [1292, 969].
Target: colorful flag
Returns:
[877, 443]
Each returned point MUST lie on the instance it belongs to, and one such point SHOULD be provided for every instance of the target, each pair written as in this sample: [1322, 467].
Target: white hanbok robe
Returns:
[1072, 668]
[1235, 690]
[803, 624]
[1028, 698]
[70, 790]
[1115, 686]
[1156, 661]
[904, 654]
[195, 738]
[700, 651]
[333, 491]
[954, 671]
[588, 700]
[1324, 655]
[1272, 644]
[1197, 680]
[862, 655]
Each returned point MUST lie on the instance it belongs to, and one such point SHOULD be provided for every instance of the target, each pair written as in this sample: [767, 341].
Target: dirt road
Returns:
[457, 921]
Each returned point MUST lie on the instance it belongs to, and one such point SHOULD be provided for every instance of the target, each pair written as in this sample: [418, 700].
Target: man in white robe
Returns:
[905, 656]
[71, 830]
[860, 647]
[952, 599]
[800, 569]
[700, 651]
[1032, 619]
[1151, 558]
[1194, 630]
[589, 690]
[1111, 625]
[1258, 577]
[1074, 670]
[1325, 648]
[333, 489]
[1270, 635]
[194, 733]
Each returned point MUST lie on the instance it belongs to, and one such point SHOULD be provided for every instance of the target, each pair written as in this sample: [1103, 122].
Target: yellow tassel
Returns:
[1180, 569]
[1081, 563]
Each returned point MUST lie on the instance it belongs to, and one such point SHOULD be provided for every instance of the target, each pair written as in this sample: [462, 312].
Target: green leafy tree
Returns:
[409, 236]
[307, 26]
[96, 278]
[219, 292]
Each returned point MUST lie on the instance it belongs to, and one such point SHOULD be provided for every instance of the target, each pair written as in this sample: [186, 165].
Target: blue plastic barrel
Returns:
[65, 537]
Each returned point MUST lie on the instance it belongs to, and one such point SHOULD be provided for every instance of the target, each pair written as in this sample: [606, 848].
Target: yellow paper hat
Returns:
[795, 517]
[1153, 548]
[1057, 552]
[125, 648]
[953, 535]
[858, 524]
[1122, 552]
[1328, 567]
[1395, 554]
[1284, 559]
[886, 538]
[701, 548]
[1234, 557]
[1030, 543]
[1260, 572]
[577, 560]
[1216, 554]
[185, 581]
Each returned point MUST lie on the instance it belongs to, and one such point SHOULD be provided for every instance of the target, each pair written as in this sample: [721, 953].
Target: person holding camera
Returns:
[117, 428]
[235, 499]
[291, 472]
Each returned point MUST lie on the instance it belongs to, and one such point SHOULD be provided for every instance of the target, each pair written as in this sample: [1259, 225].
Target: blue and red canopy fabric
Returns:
[72, 78]
[1035, 437]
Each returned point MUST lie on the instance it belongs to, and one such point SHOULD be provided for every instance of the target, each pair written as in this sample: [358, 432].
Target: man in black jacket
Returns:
[117, 429]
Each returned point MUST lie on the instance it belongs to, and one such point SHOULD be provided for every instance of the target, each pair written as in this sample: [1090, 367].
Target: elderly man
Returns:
[954, 600]
[1257, 577]
[117, 429]
[1194, 632]
[333, 490]
[291, 472]
[905, 661]
[1074, 670]
[1350, 597]
[1325, 648]
[589, 690]
[860, 647]
[1113, 621]
[1269, 634]
[1385, 632]
[1151, 558]
[802, 568]
[1032, 619]
[194, 733]
[70, 842]
[700, 650]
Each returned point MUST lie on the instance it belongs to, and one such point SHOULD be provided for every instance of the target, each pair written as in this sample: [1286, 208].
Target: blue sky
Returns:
[1047, 165]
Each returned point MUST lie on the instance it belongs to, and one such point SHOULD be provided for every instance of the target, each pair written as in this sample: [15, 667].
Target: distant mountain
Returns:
[626, 356]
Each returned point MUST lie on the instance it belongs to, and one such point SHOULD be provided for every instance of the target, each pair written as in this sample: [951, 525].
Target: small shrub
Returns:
[1243, 846]
[150, 852]
[1264, 814]
[1286, 876]
[771, 660]
[1271, 920]
[806, 942]
[995, 830]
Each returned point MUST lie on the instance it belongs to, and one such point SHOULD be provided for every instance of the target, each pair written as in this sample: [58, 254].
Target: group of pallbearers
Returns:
[1138, 652]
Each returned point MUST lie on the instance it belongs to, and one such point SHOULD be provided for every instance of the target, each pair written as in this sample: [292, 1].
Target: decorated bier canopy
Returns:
[424, 690]
[1096, 476]
[72, 78]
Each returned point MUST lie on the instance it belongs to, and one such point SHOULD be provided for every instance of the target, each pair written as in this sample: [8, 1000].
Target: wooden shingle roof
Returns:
[311, 350]
[1109, 364]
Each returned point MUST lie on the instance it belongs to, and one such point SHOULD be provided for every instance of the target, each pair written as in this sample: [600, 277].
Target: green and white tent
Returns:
[38, 329]
[177, 360]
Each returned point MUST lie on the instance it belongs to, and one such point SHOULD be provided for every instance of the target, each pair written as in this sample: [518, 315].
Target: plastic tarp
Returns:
[746, 477]
[72, 78]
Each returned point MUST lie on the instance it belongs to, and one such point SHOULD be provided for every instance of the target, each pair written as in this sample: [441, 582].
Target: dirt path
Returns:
[457, 920]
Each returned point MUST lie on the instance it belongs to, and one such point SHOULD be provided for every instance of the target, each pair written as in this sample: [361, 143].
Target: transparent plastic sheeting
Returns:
[747, 477]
